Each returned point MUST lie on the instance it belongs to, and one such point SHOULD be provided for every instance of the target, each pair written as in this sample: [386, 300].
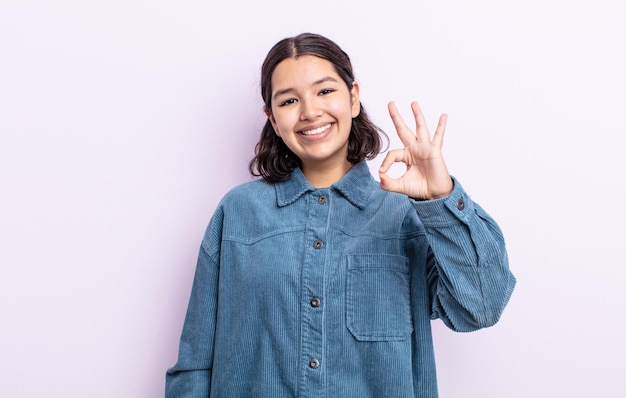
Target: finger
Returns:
[394, 156]
[440, 131]
[404, 132]
[421, 129]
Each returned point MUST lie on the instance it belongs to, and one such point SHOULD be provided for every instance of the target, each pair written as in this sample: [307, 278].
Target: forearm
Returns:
[469, 277]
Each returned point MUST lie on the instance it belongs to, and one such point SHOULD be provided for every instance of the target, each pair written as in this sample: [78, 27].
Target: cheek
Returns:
[346, 108]
[282, 124]
[276, 119]
[279, 123]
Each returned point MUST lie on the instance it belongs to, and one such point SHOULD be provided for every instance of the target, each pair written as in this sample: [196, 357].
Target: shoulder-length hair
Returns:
[273, 160]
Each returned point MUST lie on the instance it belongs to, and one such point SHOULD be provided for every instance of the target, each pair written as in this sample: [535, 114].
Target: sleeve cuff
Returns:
[447, 210]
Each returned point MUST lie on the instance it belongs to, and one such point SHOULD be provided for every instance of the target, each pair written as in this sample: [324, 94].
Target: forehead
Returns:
[302, 71]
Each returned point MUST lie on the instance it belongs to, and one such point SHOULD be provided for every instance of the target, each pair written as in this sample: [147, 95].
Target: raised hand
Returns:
[426, 175]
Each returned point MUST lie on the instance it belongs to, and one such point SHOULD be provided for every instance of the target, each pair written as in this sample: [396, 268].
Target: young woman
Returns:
[317, 280]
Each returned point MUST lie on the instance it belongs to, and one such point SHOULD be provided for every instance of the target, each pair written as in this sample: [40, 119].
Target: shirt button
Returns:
[460, 204]
[321, 200]
[318, 244]
[315, 302]
[314, 363]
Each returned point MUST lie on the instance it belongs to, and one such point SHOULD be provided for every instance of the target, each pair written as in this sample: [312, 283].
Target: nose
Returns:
[309, 109]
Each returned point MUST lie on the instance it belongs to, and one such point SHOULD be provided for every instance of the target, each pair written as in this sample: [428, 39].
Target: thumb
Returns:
[388, 183]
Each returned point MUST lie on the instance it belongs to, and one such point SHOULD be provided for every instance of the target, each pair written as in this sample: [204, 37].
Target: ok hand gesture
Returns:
[426, 175]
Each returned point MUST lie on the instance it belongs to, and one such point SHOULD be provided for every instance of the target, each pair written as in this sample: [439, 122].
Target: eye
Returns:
[288, 102]
[326, 91]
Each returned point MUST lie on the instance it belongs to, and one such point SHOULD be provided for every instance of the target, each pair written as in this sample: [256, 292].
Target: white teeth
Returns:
[316, 131]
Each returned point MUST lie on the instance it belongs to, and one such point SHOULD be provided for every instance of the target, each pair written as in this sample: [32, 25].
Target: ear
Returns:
[271, 119]
[354, 99]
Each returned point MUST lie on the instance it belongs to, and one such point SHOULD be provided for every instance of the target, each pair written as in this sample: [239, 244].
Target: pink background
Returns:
[122, 123]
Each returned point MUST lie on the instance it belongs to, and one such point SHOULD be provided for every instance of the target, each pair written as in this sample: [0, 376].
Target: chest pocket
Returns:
[378, 300]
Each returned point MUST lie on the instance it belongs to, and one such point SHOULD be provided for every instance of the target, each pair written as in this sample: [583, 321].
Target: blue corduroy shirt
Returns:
[305, 292]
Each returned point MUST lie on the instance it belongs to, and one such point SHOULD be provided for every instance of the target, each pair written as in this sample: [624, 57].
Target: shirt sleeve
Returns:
[468, 271]
[190, 377]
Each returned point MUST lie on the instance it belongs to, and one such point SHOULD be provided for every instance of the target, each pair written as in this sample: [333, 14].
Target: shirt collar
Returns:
[356, 186]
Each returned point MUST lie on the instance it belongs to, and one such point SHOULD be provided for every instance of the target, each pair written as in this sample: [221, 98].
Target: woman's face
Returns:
[312, 110]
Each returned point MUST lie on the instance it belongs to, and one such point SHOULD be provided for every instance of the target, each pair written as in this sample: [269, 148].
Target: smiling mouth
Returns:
[316, 131]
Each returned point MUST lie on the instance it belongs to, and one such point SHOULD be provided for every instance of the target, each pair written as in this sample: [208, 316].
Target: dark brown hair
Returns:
[273, 160]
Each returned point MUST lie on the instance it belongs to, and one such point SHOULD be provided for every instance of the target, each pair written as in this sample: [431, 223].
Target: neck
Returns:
[324, 177]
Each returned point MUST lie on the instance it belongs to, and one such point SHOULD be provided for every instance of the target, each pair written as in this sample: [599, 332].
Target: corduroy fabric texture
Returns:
[304, 292]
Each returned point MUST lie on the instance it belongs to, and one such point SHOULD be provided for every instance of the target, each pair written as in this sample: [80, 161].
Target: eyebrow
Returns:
[315, 83]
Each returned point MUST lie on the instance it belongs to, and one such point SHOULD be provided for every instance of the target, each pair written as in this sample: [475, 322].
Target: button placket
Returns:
[313, 278]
